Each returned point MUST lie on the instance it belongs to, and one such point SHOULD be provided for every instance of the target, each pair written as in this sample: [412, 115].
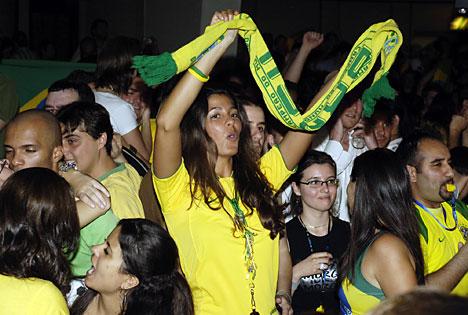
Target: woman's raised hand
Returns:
[225, 16]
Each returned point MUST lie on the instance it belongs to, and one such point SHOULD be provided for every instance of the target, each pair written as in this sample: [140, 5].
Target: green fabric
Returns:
[462, 208]
[33, 76]
[166, 66]
[93, 234]
[380, 89]
[382, 39]
[422, 226]
[360, 282]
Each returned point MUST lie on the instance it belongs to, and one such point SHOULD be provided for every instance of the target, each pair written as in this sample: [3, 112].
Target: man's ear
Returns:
[102, 140]
[412, 173]
[57, 154]
[130, 282]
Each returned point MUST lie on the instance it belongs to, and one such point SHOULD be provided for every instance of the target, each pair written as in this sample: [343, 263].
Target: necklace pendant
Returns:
[254, 312]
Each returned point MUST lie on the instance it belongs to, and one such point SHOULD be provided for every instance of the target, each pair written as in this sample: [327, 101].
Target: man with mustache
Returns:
[443, 219]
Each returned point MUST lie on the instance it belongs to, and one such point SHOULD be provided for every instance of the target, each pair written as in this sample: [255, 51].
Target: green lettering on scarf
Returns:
[382, 39]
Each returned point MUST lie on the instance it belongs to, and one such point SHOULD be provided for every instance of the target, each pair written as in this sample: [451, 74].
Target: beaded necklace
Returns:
[248, 252]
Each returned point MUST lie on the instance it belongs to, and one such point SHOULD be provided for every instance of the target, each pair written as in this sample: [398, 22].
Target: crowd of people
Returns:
[191, 198]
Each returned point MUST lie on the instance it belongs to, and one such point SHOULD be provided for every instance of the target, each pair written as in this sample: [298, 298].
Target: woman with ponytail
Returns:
[135, 271]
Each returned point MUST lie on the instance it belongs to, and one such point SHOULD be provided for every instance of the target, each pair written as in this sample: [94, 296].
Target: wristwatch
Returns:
[65, 166]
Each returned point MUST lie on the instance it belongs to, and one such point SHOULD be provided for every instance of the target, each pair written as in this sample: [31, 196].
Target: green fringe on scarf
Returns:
[382, 39]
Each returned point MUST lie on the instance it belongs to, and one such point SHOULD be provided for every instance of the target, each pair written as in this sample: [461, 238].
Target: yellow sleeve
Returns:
[174, 191]
[273, 167]
[123, 188]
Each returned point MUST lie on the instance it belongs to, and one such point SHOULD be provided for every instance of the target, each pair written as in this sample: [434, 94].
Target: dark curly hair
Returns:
[150, 254]
[39, 226]
[251, 185]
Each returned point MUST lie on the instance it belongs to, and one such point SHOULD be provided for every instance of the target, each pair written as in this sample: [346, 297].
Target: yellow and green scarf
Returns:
[382, 38]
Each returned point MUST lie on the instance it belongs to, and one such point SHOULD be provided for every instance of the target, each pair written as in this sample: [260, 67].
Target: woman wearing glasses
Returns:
[316, 238]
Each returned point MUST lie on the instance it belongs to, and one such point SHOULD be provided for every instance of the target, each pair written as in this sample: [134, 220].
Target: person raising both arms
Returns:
[216, 198]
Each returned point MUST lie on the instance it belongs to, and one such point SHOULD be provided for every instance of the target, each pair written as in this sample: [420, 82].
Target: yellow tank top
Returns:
[359, 296]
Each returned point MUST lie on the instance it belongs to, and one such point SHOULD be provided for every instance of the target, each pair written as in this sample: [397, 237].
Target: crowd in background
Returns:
[190, 198]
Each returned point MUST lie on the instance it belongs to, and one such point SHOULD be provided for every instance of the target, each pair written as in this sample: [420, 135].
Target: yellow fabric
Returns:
[35, 101]
[123, 184]
[359, 302]
[211, 257]
[441, 244]
[30, 296]
[382, 38]
[359, 295]
[153, 134]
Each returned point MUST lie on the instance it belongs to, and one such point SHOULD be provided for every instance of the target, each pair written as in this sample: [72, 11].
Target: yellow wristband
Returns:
[198, 74]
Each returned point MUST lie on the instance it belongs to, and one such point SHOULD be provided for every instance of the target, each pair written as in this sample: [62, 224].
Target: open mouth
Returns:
[232, 137]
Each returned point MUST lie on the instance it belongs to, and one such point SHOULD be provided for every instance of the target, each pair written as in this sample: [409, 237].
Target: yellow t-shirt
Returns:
[123, 184]
[211, 257]
[30, 296]
[439, 245]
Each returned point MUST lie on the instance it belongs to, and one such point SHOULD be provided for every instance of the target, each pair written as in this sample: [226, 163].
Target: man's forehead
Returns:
[66, 131]
[62, 97]
[431, 149]
[17, 137]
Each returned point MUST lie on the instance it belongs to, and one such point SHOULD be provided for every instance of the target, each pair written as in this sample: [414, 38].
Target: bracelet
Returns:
[284, 294]
[198, 74]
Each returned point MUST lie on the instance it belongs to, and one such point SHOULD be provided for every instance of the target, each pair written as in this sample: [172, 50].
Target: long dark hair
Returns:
[39, 226]
[312, 157]
[150, 254]
[382, 201]
[114, 64]
[251, 185]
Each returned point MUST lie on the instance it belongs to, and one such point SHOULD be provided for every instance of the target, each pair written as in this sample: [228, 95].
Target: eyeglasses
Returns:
[316, 183]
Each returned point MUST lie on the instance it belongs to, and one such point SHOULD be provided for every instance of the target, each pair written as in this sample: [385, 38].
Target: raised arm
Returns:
[296, 143]
[310, 41]
[168, 142]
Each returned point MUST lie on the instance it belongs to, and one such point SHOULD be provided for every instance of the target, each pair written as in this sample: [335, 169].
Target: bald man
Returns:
[34, 139]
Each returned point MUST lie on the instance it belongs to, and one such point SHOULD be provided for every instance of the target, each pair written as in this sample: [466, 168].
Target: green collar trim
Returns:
[118, 168]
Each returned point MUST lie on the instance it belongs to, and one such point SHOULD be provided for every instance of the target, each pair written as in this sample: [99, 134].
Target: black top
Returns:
[320, 289]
